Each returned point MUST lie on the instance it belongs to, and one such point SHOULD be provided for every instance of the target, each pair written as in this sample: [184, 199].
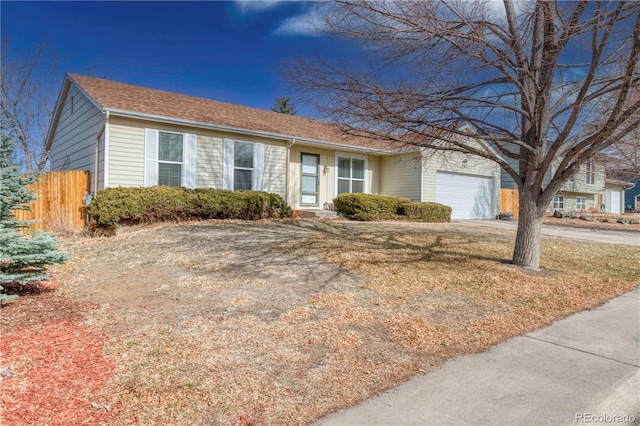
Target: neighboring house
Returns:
[632, 198]
[584, 191]
[614, 197]
[128, 135]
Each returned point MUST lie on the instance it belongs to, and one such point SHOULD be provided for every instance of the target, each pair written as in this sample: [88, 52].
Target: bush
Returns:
[428, 212]
[369, 206]
[113, 206]
[382, 207]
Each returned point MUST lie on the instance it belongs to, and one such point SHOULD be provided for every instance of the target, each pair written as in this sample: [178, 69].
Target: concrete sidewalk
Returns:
[584, 369]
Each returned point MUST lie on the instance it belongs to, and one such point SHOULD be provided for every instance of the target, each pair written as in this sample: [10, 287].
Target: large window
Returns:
[242, 165]
[558, 202]
[170, 158]
[581, 203]
[591, 172]
[350, 175]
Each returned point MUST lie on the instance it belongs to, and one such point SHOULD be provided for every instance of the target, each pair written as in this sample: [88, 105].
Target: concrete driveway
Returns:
[631, 238]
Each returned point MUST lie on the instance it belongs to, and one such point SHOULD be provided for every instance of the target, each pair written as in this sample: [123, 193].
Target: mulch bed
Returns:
[53, 366]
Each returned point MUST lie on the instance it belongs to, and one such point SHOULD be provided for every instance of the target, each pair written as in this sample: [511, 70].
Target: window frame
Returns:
[180, 163]
[351, 179]
[558, 202]
[581, 201]
[251, 169]
[317, 176]
[591, 172]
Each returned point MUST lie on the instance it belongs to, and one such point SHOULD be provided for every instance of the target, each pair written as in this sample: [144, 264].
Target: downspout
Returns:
[96, 163]
[106, 150]
[422, 165]
[287, 194]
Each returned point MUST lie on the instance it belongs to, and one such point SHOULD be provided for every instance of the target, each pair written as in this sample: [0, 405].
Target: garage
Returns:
[469, 196]
[616, 200]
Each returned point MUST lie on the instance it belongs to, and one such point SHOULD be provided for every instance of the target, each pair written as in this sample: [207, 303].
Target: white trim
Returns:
[150, 172]
[189, 149]
[105, 179]
[352, 156]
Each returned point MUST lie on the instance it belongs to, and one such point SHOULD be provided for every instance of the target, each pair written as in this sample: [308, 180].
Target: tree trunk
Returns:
[529, 237]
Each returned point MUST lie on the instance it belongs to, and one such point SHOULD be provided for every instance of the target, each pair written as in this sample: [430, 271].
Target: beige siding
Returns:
[209, 162]
[400, 175]
[275, 169]
[580, 184]
[326, 177]
[607, 198]
[374, 174]
[327, 174]
[126, 154]
[571, 202]
[73, 145]
[456, 162]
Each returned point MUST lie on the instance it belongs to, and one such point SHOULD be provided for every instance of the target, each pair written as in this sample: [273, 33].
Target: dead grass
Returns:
[282, 322]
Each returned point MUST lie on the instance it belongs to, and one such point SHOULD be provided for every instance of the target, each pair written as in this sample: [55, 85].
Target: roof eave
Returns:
[62, 95]
[240, 130]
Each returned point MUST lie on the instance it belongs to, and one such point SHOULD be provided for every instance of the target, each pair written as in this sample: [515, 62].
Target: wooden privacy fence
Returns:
[59, 206]
[509, 202]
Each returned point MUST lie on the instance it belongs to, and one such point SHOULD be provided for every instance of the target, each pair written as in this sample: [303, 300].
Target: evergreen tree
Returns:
[24, 255]
[284, 106]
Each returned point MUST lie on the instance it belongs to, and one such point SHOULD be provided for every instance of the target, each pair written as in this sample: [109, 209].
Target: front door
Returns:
[310, 179]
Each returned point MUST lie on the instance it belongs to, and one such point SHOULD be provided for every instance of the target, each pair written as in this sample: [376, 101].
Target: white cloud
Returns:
[251, 6]
[308, 23]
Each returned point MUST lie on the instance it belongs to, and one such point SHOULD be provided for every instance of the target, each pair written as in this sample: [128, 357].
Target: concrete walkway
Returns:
[590, 234]
[584, 369]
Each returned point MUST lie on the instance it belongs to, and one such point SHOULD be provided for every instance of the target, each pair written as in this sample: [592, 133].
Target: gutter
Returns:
[240, 130]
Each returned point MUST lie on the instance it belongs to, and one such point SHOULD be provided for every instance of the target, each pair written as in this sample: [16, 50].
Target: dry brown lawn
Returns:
[282, 322]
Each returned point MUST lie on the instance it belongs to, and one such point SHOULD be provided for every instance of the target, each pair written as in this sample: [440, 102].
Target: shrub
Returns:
[428, 212]
[113, 206]
[382, 207]
[369, 206]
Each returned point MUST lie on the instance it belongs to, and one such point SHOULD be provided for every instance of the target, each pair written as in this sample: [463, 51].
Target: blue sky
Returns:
[228, 51]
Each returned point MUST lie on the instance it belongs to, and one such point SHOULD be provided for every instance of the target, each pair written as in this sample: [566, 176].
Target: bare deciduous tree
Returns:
[528, 77]
[27, 102]
[622, 159]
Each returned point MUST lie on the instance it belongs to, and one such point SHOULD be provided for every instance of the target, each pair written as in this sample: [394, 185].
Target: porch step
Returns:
[318, 214]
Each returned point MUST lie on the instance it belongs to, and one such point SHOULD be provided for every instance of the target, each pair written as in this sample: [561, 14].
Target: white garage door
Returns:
[469, 196]
[615, 202]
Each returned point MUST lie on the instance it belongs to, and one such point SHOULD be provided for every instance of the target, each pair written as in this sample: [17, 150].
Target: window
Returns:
[170, 158]
[558, 202]
[350, 175]
[591, 172]
[581, 203]
[242, 165]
